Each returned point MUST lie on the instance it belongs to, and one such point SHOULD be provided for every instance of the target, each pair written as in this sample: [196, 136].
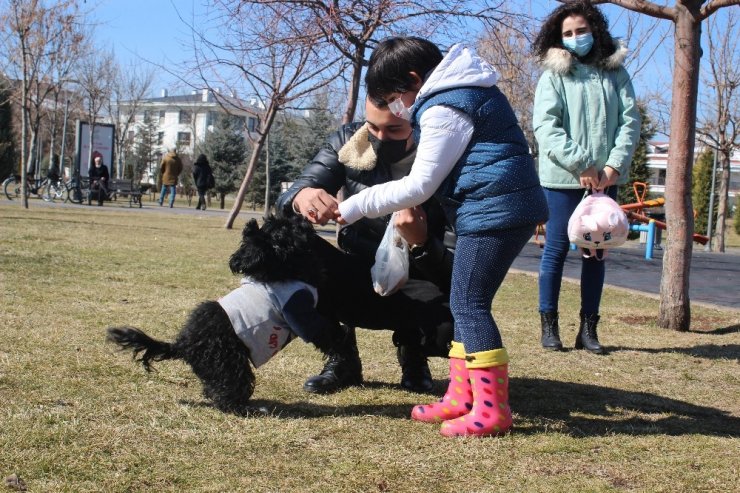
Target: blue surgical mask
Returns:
[580, 45]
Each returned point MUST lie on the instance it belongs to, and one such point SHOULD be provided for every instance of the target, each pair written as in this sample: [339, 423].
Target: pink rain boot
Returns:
[458, 400]
[490, 414]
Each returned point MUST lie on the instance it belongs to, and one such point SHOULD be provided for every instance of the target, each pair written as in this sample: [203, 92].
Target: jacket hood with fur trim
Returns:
[560, 61]
[357, 153]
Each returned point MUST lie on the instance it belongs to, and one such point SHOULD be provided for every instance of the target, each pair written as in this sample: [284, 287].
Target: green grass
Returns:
[660, 412]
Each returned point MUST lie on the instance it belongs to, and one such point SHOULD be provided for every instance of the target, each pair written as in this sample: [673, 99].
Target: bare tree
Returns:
[129, 87]
[95, 73]
[719, 126]
[350, 27]
[507, 48]
[250, 56]
[687, 17]
[39, 44]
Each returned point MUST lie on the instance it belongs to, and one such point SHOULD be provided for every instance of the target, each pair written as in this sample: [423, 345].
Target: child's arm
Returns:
[445, 133]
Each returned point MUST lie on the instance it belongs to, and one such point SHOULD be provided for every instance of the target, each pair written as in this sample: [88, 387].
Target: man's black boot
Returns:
[587, 338]
[343, 367]
[415, 374]
[550, 331]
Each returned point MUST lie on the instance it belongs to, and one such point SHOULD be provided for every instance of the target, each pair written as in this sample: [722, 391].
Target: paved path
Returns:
[714, 277]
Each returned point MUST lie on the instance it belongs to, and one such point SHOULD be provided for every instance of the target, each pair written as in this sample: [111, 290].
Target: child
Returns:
[473, 156]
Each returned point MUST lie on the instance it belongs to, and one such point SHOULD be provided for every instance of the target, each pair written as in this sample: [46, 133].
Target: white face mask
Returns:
[398, 109]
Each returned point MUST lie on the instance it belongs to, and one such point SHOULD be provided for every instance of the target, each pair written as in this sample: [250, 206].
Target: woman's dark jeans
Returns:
[562, 203]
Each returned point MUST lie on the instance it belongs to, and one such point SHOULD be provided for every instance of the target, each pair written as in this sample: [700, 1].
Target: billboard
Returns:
[102, 145]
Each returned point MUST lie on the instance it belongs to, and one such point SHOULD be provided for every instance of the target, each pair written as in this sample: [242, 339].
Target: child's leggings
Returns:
[480, 265]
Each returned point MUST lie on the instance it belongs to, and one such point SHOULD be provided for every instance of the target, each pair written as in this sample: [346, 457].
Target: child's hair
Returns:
[391, 63]
[551, 33]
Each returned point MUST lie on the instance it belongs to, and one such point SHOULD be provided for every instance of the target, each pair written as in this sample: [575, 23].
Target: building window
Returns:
[161, 116]
[211, 118]
[252, 124]
[186, 117]
[145, 116]
[661, 177]
[183, 138]
[130, 135]
[160, 138]
[238, 123]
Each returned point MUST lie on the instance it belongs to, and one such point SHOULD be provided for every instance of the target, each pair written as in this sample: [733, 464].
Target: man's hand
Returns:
[607, 178]
[316, 205]
[590, 178]
[412, 225]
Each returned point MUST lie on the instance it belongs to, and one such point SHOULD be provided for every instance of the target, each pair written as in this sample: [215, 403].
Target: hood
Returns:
[357, 153]
[560, 61]
[459, 68]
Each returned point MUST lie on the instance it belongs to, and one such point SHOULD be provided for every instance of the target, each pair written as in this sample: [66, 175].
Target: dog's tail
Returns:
[138, 341]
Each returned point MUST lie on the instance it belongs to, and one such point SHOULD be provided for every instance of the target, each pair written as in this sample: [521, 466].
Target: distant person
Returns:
[587, 126]
[169, 172]
[99, 178]
[54, 172]
[203, 178]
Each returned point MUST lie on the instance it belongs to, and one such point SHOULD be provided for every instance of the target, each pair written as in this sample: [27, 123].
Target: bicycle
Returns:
[54, 189]
[12, 186]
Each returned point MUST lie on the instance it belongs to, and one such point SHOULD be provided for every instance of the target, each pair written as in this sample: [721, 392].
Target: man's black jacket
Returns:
[363, 237]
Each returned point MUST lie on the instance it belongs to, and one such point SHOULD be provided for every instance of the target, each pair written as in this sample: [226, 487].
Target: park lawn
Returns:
[660, 412]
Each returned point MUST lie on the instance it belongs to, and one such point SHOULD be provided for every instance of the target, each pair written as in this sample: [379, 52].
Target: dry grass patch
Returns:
[659, 412]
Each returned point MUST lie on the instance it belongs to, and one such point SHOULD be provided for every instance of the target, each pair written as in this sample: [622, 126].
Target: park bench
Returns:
[125, 188]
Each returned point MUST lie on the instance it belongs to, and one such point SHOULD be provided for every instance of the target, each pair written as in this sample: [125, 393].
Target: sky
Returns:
[139, 30]
[151, 30]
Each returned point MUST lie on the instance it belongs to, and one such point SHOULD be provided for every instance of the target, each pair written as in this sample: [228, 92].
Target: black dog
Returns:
[276, 301]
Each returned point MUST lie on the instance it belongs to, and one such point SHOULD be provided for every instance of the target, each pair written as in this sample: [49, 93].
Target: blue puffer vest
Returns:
[494, 185]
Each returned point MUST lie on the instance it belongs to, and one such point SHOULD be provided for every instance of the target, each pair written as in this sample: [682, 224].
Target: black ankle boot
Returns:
[343, 367]
[550, 331]
[587, 338]
[415, 374]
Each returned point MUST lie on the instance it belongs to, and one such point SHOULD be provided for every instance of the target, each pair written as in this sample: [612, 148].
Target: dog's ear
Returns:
[252, 250]
[250, 229]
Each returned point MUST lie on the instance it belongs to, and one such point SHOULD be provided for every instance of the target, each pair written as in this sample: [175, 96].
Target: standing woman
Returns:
[203, 178]
[587, 126]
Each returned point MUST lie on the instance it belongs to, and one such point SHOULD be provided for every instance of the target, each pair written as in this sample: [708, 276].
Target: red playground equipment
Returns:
[634, 210]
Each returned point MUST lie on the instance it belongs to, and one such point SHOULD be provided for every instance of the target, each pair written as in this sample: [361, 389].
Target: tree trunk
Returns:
[675, 308]
[269, 118]
[266, 211]
[723, 200]
[354, 86]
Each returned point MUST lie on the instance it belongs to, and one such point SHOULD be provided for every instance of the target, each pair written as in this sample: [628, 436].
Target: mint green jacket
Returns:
[584, 115]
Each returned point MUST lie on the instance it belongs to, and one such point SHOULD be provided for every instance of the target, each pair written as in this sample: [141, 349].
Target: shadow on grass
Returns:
[707, 351]
[731, 329]
[590, 410]
[543, 406]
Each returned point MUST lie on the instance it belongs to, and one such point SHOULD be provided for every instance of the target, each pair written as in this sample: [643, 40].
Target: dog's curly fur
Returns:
[278, 251]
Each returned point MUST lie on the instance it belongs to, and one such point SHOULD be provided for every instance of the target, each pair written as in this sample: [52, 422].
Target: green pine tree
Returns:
[146, 149]
[294, 141]
[8, 163]
[701, 190]
[638, 170]
[226, 149]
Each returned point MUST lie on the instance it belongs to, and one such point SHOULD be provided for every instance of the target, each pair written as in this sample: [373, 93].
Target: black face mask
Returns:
[388, 151]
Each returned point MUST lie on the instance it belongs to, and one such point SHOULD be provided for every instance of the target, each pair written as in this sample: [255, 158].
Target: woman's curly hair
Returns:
[551, 33]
